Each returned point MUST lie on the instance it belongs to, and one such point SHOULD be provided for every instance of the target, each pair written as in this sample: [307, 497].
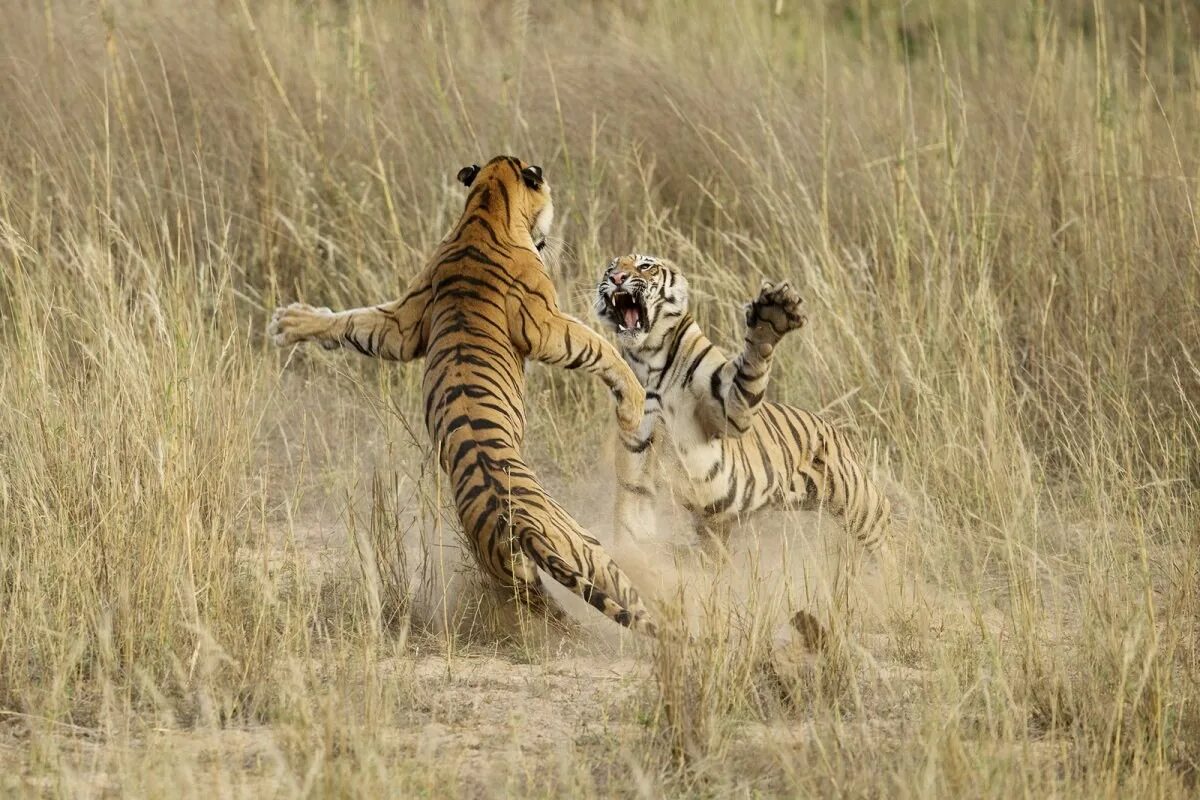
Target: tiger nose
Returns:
[619, 277]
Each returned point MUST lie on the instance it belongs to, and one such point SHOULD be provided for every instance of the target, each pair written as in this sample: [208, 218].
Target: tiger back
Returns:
[483, 305]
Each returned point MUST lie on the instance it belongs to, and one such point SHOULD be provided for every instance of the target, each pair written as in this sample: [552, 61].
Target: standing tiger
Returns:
[733, 453]
[482, 305]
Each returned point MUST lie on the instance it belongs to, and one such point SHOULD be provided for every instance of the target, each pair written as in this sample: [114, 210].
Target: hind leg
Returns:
[809, 490]
[522, 583]
[812, 491]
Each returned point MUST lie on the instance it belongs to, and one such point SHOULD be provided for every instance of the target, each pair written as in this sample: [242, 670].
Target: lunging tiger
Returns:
[482, 305]
[731, 453]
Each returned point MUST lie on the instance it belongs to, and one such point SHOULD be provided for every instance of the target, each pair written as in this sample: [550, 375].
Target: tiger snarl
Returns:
[730, 452]
[484, 304]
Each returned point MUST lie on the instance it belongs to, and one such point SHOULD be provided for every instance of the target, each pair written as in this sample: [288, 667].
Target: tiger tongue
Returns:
[631, 318]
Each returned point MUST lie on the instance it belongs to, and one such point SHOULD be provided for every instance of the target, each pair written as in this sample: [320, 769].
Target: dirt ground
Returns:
[476, 715]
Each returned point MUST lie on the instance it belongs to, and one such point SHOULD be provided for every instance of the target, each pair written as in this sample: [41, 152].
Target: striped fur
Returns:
[482, 305]
[731, 453]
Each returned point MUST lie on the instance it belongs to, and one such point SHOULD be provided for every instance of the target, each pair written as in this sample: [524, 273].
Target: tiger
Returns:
[481, 306]
[730, 452]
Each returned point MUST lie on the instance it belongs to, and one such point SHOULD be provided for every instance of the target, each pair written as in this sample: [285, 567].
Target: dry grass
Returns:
[225, 568]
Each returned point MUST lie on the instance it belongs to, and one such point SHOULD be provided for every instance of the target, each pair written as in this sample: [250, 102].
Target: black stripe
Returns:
[687, 379]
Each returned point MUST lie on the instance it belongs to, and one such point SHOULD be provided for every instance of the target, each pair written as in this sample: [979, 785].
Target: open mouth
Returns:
[627, 311]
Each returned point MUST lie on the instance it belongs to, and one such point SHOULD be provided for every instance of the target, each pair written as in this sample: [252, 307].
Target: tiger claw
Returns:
[298, 323]
[777, 308]
[631, 405]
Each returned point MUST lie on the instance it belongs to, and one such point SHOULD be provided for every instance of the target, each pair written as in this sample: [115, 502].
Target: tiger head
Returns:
[640, 296]
[508, 187]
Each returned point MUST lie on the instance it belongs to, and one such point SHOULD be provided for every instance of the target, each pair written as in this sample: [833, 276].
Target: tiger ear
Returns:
[466, 175]
[533, 177]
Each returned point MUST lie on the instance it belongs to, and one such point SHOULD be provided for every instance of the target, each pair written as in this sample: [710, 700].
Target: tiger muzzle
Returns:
[627, 310]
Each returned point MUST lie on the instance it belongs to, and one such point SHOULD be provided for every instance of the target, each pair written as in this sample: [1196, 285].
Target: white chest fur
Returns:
[689, 462]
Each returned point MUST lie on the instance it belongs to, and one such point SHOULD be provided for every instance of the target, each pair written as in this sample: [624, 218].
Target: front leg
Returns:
[738, 387]
[395, 331]
[636, 460]
[566, 342]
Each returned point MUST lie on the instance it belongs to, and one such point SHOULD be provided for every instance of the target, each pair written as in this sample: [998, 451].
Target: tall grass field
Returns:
[234, 570]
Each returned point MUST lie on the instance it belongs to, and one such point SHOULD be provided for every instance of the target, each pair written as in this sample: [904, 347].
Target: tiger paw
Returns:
[631, 403]
[776, 311]
[298, 323]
